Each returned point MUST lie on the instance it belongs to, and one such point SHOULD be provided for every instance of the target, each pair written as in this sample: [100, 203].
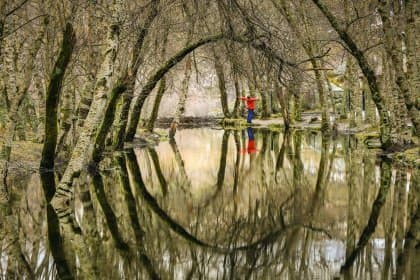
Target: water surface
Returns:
[220, 204]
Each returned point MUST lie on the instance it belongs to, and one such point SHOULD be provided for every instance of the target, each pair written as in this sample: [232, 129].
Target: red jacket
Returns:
[250, 102]
[251, 147]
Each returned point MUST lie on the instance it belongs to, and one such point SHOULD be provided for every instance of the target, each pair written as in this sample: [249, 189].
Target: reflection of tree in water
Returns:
[273, 220]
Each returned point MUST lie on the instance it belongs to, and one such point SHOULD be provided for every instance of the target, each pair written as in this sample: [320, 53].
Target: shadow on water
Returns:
[213, 204]
[54, 236]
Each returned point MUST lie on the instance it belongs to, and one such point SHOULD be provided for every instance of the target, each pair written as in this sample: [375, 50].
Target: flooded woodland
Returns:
[201, 139]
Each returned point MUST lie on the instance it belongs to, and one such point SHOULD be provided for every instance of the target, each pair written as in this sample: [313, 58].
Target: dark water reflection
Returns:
[214, 204]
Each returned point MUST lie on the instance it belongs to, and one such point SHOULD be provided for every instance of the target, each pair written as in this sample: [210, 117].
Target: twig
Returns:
[16, 8]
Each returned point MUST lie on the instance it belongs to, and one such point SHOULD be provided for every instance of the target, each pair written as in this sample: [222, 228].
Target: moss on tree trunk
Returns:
[53, 96]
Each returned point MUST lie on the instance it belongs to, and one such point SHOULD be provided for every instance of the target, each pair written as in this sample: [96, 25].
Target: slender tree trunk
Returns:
[412, 44]
[218, 65]
[106, 123]
[187, 75]
[359, 55]
[2, 22]
[66, 120]
[92, 64]
[39, 104]
[155, 110]
[236, 106]
[393, 46]
[182, 97]
[284, 104]
[319, 84]
[350, 91]
[53, 97]
[161, 89]
[121, 121]
[294, 90]
[83, 148]
[155, 78]
[17, 93]
[235, 76]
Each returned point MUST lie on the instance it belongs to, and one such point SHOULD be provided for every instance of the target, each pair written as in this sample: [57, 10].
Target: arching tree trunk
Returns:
[155, 78]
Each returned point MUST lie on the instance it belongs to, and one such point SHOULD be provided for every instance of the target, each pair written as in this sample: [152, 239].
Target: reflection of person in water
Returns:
[250, 105]
[251, 147]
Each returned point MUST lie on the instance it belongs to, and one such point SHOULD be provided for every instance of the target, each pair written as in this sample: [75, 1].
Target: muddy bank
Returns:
[189, 122]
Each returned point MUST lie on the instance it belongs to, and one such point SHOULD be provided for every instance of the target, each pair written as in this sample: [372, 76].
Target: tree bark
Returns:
[136, 61]
[53, 97]
[220, 73]
[155, 110]
[187, 75]
[161, 89]
[359, 55]
[134, 116]
[83, 148]
[2, 22]
[393, 47]
[17, 93]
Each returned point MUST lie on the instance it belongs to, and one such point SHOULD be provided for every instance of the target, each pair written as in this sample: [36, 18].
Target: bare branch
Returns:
[16, 8]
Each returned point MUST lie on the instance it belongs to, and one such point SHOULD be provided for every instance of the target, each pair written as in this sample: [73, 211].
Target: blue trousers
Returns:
[250, 133]
[250, 115]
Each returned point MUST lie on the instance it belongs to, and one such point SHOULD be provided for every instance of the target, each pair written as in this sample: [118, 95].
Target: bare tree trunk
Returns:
[236, 84]
[66, 120]
[311, 48]
[161, 89]
[92, 29]
[393, 46]
[284, 104]
[121, 120]
[294, 90]
[155, 110]
[17, 94]
[319, 83]
[359, 55]
[2, 22]
[182, 98]
[83, 148]
[53, 97]
[349, 91]
[218, 65]
[187, 75]
[412, 44]
[154, 79]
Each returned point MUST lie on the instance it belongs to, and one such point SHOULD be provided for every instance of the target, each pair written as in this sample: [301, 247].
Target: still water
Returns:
[220, 204]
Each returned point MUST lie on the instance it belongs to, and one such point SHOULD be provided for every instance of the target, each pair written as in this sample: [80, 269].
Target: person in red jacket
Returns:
[250, 105]
[251, 147]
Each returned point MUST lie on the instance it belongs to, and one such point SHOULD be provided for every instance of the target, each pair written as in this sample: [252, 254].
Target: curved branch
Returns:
[137, 181]
[150, 85]
[169, 64]
[16, 8]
